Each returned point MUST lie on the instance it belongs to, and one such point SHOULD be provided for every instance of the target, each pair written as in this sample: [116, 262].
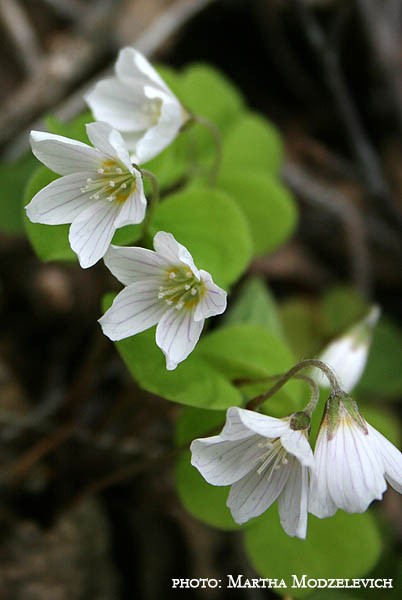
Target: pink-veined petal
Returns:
[293, 501]
[161, 134]
[135, 264]
[213, 299]
[355, 474]
[320, 502]
[176, 335]
[170, 249]
[134, 69]
[253, 494]
[60, 201]
[63, 155]
[297, 444]
[135, 309]
[268, 427]
[391, 458]
[92, 230]
[109, 142]
[133, 209]
[225, 462]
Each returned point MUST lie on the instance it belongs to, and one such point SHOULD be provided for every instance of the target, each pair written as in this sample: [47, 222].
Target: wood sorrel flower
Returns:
[347, 355]
[100, 191]
[353, 462]
[139, 104]
[163, 287]
[263, 458]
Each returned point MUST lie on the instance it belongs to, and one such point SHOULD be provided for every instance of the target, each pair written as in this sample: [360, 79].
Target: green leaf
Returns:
[341, 307]
[252, 143]
[202, 500]
[248, 351]
[206, 92]
[211, 226]
[13, 179]
[300, 320]
[74, 129]
[255, 305]
[383, 373]
[343, 546]
[267, 204]
[194, 382]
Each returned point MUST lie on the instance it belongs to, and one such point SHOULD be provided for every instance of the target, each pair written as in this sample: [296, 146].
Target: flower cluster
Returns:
[101, 190]
[266, 459]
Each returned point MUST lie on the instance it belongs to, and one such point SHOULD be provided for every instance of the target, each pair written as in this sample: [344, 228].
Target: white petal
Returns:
[60, 201]
[348, 359]
[62, 155]
[355, 475]
[224, 462]
[133, 68]
[134, 208]
[92, 231]
[176, 335]
[269, 427]
[120, 105]
[234, 429]
[134, 309]
[292, 503]
[253, 494]
[297, 444]
[320, 502]
[135, 264]
[391, 458]
[213, 300]
[109, 142]
[166, 245]
[158, 137]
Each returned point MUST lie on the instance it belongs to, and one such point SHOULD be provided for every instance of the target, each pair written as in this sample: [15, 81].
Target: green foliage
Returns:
[252, 143]
[268, 206]
[340, 547]
[74, 129]
[383, 373]
[301, 322]
[13, 179]
[341, 307]
[255, 305]
[211, 226]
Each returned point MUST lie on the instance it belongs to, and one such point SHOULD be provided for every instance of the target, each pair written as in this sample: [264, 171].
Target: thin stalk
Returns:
[218, 145]
[254, 403]
[152, 203]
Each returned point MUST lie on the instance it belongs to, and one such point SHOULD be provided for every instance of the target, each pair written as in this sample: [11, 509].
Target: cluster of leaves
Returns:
[246, 214]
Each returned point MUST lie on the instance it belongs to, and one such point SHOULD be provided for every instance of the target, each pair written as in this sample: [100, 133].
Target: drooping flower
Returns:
[353, 462]
[347, 354]
[165, 287]
[99, 192]
[263, 459]
[138, 103]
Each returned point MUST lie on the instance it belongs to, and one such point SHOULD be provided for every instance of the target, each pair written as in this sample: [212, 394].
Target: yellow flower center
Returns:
[181, 288]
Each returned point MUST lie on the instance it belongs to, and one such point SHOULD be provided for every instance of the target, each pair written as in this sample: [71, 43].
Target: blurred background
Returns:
[87, 507]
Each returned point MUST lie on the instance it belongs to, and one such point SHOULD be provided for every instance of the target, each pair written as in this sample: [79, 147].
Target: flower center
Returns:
[181, 288]
[274, 454]
[153, 109]
[113, 183]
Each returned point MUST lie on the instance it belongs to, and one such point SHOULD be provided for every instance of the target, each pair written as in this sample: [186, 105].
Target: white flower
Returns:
[138, 103]
[347, 355]
[163, 287]
[353, 462]
[100, 191]
[263, 459]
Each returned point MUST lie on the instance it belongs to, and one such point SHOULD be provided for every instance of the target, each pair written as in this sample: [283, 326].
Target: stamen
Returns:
[193, 292]
[119, 171]
[169, 302]
[172, 275]
[124, 185]
[89, 180]
[112, 183]
[100, 171]
[179, 305]
[189, 274]
[187, 287]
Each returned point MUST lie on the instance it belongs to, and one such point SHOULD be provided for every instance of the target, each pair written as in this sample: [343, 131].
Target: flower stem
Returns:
[254, 403]
[152, 204]
[218, 144]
